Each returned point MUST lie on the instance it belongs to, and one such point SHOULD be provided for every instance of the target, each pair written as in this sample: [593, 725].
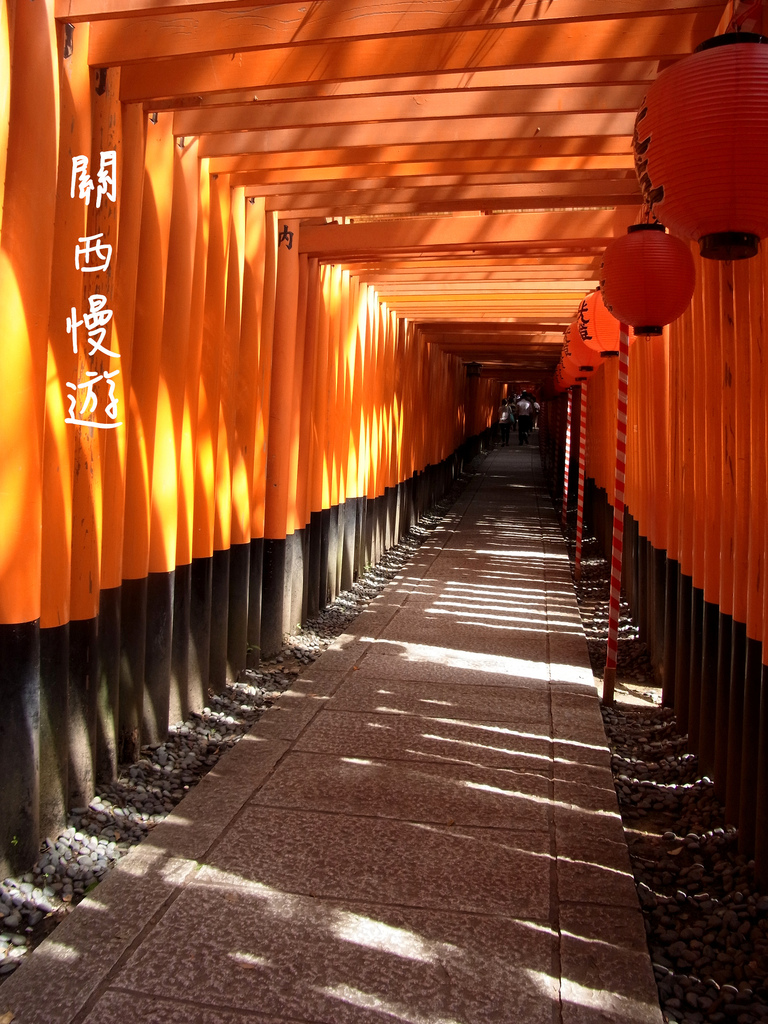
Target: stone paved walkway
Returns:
[423, 830]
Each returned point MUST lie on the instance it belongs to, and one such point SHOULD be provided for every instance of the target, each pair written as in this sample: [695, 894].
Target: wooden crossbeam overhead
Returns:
[459, 171]
[573, 230]
[217, 30]
[448, 130]
[659, 37]
[628, 72]
[529, 152]
[328, 186]
[532, 195]
[474, 103]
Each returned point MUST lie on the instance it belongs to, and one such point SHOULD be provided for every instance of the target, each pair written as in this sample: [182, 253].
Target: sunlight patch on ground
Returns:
[370, 1001]
[611, 1005]
[364, 931]
[492, 664]
[532, 798]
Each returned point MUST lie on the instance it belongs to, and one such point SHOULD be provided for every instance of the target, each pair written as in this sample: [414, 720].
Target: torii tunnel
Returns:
[266, 272]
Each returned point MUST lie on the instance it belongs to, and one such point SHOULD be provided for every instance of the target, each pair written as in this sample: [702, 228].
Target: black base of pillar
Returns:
[314, 565]
[331, 567]
[694, 685]
[670, 634]
[200, 629]
[255, 583]
[325, 545]
[157, 657]
[735, 722]
[108, 696]
[237, 623]
[219, 620]
[348, 544]
[761, 795]
[720, 768]
[19, 745]
[54, 729]
[133, 635]
[272, 591]
[708, 708]
[683, 660]
[361, 517]
[82, 694]
[657, 620]
[750, 747]
[293, 593]
[305, 550]
[181, 699]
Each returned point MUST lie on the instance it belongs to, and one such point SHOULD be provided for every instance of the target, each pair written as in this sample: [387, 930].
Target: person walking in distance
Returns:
[524, 417]
[505, 420]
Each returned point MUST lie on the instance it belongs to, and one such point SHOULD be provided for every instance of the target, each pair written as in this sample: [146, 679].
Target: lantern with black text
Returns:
[595, 326]
[647, 278]
[576, 356]
[701, 146]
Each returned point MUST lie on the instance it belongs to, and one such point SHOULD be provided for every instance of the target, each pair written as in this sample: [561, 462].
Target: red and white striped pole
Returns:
[566, 474]
[582, 475]
[617, 547]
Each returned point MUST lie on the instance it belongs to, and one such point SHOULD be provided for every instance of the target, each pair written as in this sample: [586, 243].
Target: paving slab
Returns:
[423, 829]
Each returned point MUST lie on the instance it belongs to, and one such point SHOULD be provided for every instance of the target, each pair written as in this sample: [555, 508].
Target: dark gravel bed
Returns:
[705, 918]
[123, 812]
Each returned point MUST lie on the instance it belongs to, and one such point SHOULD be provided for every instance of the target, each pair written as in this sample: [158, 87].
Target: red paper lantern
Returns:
[701, 146]
[647, 278]
[595, 326]
[562, 379]
[577, 356]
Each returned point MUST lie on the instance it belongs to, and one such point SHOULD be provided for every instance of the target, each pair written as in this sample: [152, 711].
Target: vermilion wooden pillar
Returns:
[280, 435]
[185, 655]
[319, 493]
[249, 428]
[141, 412]
[58, 448]
[306, 405]
[208, 412]
[293, 592]
[221, 591]
[89, 450]
[130, 194]
[259, 303]
[25, 282]
[165, 689]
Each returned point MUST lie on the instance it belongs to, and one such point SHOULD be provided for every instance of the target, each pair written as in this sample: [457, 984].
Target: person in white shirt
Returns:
[524, 417]
[505, 420]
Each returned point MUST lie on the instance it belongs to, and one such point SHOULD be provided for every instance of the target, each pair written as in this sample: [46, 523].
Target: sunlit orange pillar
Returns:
[319, 492]
[295, 538]
[58, 448]
[329, 556]
[163, 702]
[89, 449]
[141, 412]
[208, 412]
[259, 304]
[248, 435]
[130, 193]
[26, 252]
[279, 440]
[359, 423]
[190, 673]
[221, 591]
[306, 402]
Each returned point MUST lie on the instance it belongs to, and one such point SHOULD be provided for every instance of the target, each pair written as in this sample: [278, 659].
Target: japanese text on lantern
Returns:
[93, 254]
